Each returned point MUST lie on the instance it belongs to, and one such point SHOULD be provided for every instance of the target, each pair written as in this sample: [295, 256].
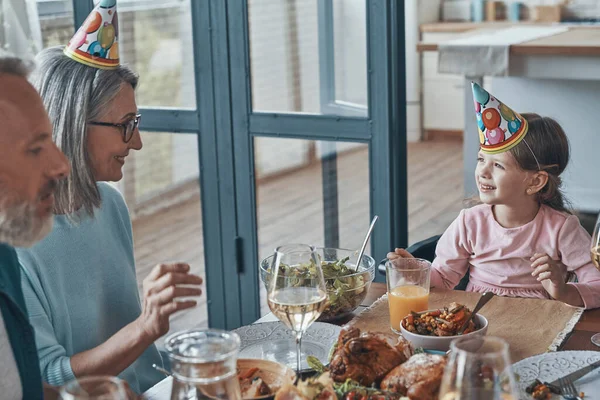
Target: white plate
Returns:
[273, 341]
[548, 367]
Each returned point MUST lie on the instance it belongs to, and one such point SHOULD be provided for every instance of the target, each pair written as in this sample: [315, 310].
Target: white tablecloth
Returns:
[160, 391]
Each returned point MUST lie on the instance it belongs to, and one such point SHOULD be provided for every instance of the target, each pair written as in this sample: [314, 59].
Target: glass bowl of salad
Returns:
[346, 287]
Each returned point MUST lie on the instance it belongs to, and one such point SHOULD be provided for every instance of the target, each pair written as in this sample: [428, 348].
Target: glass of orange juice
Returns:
[407, 288]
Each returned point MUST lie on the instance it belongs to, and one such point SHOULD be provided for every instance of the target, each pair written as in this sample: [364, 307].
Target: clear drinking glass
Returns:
[204, 364]
[407, 288]
[296, 297]
[595, 253]
[478, 368]
[94, 387]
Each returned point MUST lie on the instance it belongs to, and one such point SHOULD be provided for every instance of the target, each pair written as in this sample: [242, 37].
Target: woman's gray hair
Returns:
[74, 95]
[12, 65]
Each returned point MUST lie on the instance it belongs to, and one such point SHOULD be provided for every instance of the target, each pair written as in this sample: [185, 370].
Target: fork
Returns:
[567, 389]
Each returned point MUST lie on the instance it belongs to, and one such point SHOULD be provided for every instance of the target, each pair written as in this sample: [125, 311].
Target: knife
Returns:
[573, 376]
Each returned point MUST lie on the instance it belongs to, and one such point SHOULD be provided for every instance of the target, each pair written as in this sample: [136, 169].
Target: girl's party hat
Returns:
[500, 128]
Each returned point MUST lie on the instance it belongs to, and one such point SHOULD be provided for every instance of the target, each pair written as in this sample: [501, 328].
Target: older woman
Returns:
[80, 282]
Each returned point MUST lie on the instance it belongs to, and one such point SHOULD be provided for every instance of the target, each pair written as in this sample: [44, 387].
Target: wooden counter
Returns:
[577, 41]
[584, 41]
[458, 27]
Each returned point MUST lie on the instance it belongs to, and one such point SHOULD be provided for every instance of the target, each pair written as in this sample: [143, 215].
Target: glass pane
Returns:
[285, 40]
[435, 195]
[350, 44]
[156, 41]
[295, 206]
[161, 188]
[27, 27]
[56, 22]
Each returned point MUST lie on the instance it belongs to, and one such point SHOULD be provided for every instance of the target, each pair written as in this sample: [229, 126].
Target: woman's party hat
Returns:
[500, 128]
[96, 43]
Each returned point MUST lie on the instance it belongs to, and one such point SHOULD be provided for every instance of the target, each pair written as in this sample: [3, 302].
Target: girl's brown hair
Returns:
[549, 143]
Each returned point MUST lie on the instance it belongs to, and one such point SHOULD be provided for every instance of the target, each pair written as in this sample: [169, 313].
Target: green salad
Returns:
[345, 288]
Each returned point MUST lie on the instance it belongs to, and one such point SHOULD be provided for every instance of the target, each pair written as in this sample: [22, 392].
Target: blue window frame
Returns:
[226, 126]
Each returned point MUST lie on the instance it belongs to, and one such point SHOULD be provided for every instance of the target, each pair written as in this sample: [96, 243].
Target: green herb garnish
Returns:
[315, 364]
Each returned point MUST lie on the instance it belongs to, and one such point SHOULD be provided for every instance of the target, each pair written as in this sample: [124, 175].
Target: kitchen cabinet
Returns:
[442, 94]
[443, 101]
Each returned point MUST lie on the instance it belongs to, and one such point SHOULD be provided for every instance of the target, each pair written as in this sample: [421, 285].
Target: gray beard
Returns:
[19, 224]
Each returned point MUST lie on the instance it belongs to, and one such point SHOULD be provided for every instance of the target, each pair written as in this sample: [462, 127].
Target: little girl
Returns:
[522, 241]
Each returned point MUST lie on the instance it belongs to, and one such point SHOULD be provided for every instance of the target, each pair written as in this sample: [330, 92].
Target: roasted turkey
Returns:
[419, 378]
[366, 358]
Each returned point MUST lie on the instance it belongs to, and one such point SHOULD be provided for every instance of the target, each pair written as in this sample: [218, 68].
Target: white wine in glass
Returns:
[297, 307]
[595, 254]
[297, 294]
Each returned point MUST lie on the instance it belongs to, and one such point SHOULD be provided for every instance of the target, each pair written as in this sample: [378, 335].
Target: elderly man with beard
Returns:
[30, 166]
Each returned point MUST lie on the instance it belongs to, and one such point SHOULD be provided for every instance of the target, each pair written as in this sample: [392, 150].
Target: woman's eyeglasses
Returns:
[128, 128]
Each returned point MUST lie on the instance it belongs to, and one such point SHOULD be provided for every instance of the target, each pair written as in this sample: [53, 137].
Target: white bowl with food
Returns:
[435, 329]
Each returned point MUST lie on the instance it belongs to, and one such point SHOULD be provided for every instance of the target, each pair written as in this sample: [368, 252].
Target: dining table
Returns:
[577, 339]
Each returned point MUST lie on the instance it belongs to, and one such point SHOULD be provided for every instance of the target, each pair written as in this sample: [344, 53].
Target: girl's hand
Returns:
[551, 273]
[161, 290]
[399, 253]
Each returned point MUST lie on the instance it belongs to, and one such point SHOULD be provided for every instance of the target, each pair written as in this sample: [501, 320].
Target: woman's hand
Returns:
[551, 273]
[399, 253]
[161, 290]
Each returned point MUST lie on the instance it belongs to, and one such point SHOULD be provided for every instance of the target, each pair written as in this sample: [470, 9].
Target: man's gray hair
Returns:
[12, 65]
[74, 95]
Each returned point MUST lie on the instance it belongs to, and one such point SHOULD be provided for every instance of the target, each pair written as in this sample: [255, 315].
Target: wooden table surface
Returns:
[579, 339]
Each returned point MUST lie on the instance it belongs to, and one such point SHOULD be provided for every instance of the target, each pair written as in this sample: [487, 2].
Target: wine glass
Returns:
[94, 387]
[478, 368]
[296, 292]
[595, 253]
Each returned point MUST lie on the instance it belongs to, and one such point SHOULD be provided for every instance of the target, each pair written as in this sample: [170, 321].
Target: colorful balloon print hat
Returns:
[500, 128]
[96, 43]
